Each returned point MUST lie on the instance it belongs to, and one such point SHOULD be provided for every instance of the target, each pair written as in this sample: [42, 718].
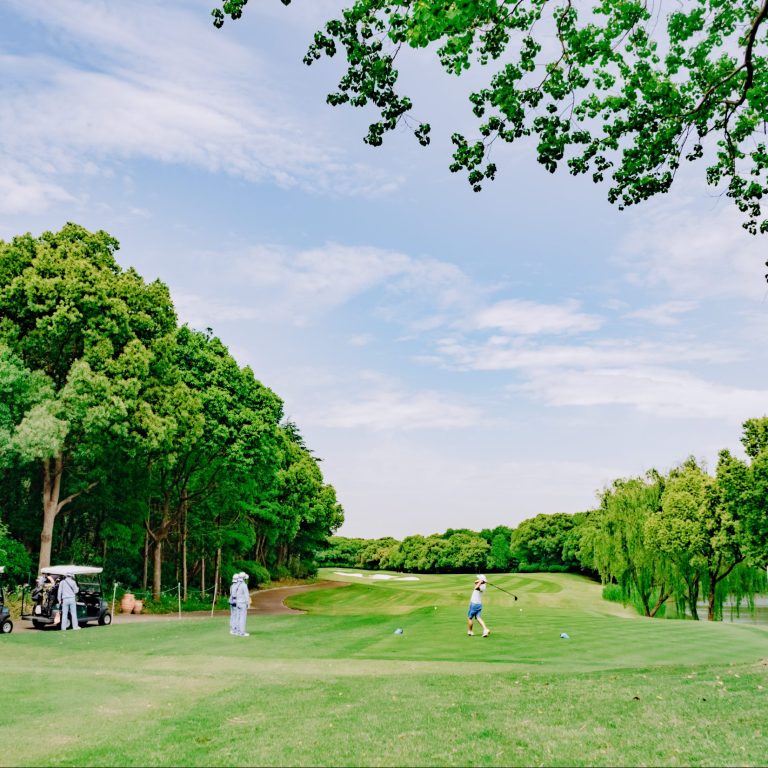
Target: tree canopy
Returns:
[621, 90]
[147, 442]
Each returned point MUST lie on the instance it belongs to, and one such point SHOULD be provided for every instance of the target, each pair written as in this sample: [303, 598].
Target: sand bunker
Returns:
[377, 576]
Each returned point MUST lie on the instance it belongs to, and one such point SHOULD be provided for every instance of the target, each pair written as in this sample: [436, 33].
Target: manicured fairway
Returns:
[337, 687]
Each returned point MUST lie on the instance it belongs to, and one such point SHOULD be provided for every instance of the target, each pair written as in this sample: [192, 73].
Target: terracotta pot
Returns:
[127, 603]
[138, 606]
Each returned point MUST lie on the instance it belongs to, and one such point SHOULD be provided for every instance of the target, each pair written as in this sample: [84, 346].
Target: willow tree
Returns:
[698, 528]
[622, 90]
[69, 312]
[755, 506]
[615, 544]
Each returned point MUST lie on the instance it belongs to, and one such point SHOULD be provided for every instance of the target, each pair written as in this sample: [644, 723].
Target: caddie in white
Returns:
[67, 595]
[242, 601]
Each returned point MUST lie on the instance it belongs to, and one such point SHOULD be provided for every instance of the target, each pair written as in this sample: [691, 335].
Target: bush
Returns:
[613, 593]
[303, 569]
[194, 602]
[257, 573]
[15, 558]
[281, 572]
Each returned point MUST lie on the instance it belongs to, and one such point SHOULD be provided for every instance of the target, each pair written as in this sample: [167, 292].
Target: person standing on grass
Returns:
[242, 601]
[68, 590]
[233, 615]
[476, 606]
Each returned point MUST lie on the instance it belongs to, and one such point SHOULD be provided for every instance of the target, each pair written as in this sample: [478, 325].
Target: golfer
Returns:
[68, 589]
[476, 606]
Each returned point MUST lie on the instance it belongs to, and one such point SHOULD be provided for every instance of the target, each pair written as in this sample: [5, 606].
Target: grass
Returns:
[337, 687]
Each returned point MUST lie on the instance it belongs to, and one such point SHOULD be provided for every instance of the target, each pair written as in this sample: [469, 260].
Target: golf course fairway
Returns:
[337, 686]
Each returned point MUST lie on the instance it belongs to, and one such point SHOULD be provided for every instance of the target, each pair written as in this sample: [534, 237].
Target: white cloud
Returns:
[22, 190]
[158, 82]
[663, 314]
[376, 402]
[692, 254]
[297, 286]
[501, 353]
[530, 318]
[400, 411]
[662, 392]
[199, 312]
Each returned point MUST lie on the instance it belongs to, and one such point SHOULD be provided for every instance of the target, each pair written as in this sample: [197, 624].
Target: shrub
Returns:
[613, 593]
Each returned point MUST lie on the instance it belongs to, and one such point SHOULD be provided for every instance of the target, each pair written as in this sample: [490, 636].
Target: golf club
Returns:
[502, 590]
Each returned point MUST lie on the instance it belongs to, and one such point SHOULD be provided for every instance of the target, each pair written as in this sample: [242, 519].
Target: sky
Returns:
[456, 359]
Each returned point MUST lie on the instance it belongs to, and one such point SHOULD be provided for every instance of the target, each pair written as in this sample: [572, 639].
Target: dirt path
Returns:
[267, 602]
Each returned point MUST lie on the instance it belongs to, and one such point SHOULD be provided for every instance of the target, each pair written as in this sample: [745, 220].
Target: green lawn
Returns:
[337, 687]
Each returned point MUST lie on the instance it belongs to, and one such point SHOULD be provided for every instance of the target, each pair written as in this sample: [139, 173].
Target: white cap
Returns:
[244, 575]
[480, 577]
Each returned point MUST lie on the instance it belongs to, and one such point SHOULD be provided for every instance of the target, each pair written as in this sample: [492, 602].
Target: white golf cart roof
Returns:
[63, 570]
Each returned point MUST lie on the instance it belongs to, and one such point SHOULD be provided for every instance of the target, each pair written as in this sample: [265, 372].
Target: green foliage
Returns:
[340, 552]
[542, 541]
[614, 593]
[15, 558]
[618, 91]
[154, 452]
[169, 603]
[615, 544]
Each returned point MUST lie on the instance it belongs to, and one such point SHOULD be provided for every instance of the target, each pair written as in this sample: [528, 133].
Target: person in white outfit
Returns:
[242, 601]
[67, 595]
[476, 606]
[233, 616]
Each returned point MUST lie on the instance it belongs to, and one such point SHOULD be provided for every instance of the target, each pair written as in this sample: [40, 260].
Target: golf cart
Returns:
[44, 610]
[6, 625]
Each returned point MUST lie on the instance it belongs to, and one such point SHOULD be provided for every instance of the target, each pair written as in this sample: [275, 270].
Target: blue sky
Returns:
[456, 359]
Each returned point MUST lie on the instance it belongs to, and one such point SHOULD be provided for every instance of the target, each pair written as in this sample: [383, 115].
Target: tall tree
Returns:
[697, 527]
[615, 543]
[69, 311]
[618, 90]
[755, 507]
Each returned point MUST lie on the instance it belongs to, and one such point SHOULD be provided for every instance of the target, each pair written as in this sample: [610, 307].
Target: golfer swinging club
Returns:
[476, 606]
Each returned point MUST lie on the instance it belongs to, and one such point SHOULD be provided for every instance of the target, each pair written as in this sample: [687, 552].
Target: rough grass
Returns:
[337, 687]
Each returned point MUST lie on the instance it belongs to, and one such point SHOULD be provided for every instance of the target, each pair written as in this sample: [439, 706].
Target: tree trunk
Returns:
[159, 535]
[146, 561]
[202, 575]
[715, 577]
[663, 597]
[184, 530]
[53, 469]
[693, 596]
[157, 569]
[258, 552]
[217, 575]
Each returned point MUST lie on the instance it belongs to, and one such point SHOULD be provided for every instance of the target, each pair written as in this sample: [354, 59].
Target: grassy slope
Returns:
[337, 687]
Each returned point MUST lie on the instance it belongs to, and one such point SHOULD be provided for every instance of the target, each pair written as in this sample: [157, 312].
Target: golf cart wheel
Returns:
[105, 620]
[38, 624]
[6, 627]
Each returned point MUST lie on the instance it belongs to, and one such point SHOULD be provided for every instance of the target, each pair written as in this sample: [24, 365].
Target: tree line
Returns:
[131, 441]
[655, 540]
